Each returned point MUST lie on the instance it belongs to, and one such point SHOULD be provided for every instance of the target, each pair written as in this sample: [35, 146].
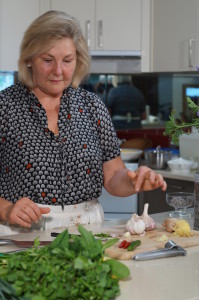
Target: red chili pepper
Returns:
[126, 245]
[121, 245]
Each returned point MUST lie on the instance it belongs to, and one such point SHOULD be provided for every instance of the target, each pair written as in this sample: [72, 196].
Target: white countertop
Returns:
[161, 279]
[177, 175]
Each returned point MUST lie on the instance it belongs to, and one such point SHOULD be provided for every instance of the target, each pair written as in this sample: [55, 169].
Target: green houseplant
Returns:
[174, 129]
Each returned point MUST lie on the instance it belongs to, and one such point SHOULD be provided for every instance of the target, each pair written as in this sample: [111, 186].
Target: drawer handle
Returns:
[191, 42]
[176, 187]
[88, 33]
[100, 34]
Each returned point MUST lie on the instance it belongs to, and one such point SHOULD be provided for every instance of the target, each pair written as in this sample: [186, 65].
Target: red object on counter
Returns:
[124, 244]
[121, 245]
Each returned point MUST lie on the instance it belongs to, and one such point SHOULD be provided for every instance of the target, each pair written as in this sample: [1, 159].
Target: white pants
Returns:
[83, 213]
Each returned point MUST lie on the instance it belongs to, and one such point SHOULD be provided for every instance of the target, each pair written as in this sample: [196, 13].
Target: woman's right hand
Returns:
[25, 212]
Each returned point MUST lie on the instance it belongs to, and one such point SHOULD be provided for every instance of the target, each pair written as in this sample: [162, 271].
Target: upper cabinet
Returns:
[15, 16]
[175, 35]
[118, 25]
[163, 33]
[108, 25]
[83, 11]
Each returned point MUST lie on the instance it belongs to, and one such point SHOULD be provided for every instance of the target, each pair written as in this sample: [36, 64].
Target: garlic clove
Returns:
[127, 234]
[149, 222]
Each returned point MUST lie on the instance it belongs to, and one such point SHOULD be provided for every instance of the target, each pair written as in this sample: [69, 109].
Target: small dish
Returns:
[128, 154]
[180, 165]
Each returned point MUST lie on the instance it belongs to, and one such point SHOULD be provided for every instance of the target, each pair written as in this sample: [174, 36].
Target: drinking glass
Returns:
[180, 201]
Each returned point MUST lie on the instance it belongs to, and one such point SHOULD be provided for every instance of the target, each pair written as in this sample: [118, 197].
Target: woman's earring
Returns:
[28, 65]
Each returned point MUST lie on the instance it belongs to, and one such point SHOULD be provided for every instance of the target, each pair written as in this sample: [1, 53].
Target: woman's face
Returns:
[53, 70]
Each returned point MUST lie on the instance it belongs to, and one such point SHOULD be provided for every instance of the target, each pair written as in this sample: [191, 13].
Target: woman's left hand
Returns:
[146, 179]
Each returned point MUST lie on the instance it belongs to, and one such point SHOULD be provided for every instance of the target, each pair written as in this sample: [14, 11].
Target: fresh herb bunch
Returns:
[103, 235]
[8, 292]
[71, 267]
[174, 129]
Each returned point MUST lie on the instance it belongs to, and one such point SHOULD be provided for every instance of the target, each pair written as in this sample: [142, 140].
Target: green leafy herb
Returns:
[174, 129]
[103, 235]
[71, 267]
[7, 292]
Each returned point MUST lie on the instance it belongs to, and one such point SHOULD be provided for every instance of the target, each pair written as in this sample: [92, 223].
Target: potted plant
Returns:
[174, 129]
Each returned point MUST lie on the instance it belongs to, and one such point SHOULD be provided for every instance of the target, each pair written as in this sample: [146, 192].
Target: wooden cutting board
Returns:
[149, 242]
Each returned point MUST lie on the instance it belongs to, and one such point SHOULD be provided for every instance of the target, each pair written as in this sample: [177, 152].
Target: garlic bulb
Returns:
[135, 225]
[149, 222]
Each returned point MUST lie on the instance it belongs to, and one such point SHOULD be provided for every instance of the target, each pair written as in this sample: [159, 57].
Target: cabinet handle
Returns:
[176, 187]
[88, 33]
[100, 34]
[191, 41]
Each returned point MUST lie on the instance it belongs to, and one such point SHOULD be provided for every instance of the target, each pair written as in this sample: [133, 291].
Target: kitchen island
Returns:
[161, 279]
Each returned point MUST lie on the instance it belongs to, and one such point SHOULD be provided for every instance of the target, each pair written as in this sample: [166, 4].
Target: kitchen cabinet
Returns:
[108, 25]
[15, 16]
[111, 27]
[175, 35]
[157, 198]
[83, 11]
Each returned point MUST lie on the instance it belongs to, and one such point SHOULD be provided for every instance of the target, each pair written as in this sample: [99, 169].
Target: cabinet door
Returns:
[157, 198]
[175, 35]
[84, 12]
[107, 24]
[15, 16]
[118, 25]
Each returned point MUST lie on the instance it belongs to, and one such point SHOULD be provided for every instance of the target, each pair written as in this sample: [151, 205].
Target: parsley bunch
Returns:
[174, 129]
[71, 267]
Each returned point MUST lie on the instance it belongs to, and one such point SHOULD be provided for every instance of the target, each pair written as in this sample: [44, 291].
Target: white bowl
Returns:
[128, 154]
[180, 165]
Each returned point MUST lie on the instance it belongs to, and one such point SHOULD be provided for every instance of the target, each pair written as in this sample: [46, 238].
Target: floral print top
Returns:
[54, 170]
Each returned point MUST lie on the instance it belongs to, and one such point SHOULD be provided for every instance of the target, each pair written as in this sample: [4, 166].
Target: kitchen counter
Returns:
[177, 175]
[161, 279]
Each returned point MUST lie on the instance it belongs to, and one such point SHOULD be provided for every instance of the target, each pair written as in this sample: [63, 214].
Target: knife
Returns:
[22, 244]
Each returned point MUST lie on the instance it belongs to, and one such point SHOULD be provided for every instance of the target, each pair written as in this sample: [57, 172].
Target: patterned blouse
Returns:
[54, 170]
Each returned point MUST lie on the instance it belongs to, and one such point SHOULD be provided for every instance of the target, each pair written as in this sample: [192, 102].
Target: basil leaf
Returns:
[118, 269]
[110, 243]
[60, 241]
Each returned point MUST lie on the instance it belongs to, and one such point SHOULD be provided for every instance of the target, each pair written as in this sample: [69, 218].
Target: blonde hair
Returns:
[42, 34]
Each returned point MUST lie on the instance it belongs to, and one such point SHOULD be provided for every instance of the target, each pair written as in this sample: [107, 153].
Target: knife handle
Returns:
[54, 234]
[159, 254]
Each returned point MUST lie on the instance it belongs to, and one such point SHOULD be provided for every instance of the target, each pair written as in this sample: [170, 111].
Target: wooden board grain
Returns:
[149, 242]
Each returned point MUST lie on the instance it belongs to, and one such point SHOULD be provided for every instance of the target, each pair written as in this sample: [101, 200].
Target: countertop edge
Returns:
[180, 176]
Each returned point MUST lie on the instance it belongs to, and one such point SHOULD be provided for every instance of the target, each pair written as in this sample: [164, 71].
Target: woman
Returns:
[58, 144]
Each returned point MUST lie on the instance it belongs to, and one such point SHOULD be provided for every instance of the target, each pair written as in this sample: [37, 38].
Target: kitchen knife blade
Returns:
[55, 234]
[22, 244]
